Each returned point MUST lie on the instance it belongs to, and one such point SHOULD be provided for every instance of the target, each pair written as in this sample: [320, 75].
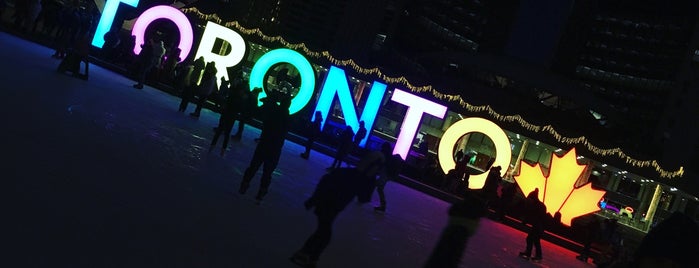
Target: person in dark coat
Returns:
[390, 172]
[464, 218]
[275, 124]
[490, 188]
[334, 192]
[151, 54]
[313, 133]
[249, 109]
[343, 148]
[508, 193]
[206, 88]
[590, 231]
[361, 134]
[229, 114]
[535, 214]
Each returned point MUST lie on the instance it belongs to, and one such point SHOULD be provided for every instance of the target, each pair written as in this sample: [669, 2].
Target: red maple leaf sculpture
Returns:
[559, 191]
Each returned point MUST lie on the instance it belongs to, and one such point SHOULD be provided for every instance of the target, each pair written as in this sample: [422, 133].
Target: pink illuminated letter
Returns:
[164, 12]
[416, 107]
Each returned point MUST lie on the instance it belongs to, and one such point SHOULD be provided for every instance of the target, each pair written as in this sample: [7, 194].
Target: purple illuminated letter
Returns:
[416, 107]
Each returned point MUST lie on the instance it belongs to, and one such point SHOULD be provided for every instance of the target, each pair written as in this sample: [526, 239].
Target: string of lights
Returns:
[455, 99]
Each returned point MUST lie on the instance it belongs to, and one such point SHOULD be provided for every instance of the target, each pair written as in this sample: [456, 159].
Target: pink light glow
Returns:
[417, 106]
[164, 12]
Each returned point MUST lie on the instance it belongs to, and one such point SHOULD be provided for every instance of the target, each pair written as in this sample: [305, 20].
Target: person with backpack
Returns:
[334, 192]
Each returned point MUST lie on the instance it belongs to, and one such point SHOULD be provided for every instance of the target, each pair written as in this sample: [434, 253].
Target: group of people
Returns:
[72, 27]
[347, 142]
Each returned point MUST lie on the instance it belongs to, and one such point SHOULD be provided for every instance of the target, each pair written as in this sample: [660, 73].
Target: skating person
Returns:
[332, 194]
[183, 83]
[230, 112]
[343, 148]
[361, 133]
[464, 218]
[249, 109]
[207, 86]
[313, 133]
[535, 214]
[390, 172]
[490, 188]
[508, 193]
[151, 54]
[275, 120]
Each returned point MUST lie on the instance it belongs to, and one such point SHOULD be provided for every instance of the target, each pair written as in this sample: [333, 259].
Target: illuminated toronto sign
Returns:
[560, 194]
[336, 84]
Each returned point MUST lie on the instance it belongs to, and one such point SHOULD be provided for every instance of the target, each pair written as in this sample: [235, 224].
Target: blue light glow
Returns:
[283, 55]
[107, 18]
[336, 84]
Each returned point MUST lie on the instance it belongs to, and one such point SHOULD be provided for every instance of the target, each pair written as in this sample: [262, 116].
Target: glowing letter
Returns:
[474, 124]
[416, 107]
[164, 12]
[108, 14]
[274, 57]
[336, 84]
[211, 33]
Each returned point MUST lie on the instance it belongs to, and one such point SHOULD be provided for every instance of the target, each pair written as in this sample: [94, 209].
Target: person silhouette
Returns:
[390, 172]
[229, 113]
[275, 120]
[333, 193]
[361, 133]
[490, 188]
[535, 214]
[248, 110]
[207, 86]
[344, 147]
[313, 133]
[464, 218]
[150, 57]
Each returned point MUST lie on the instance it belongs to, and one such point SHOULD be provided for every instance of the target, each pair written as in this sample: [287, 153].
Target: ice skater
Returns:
[343, 148]
[333, 193]
[535, 214]
[230, 112]
[275, 124]
[390, 172]
[313, 133]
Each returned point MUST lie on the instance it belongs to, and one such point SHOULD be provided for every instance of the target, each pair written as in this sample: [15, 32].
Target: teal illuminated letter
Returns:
[108, 14]
[336, 84]
[274, 57]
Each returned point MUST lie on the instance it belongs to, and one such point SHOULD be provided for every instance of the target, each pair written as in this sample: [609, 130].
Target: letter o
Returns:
[283, 55]
[164, 12]
[474, 124]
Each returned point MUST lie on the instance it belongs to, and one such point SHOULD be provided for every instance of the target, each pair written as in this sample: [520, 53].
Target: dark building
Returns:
[617, 72]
